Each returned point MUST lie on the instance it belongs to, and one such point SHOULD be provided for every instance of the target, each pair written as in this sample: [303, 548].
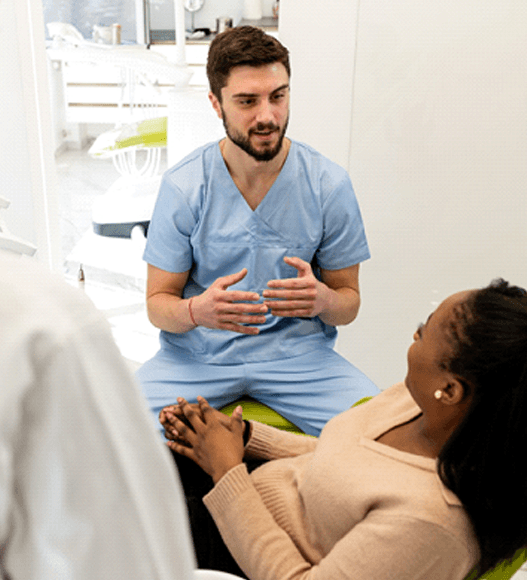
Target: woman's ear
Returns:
[456, 392]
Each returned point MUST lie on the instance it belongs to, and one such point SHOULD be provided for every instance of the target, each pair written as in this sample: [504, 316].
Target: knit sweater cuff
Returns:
[259, 444]
[270, 443]
[228, 488]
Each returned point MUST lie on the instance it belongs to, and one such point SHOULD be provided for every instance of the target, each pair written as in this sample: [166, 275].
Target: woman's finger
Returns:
[182, 433]
[166, 417]
[237, 424]
[182, 449]
[206, 410]
[171, 433]
[189, 414]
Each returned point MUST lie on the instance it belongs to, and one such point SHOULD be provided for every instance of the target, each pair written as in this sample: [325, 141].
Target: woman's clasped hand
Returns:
[211, 439]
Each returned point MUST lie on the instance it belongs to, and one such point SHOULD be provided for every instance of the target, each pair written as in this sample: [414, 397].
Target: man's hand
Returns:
[303, 296]
[224, 309]
[214, 443]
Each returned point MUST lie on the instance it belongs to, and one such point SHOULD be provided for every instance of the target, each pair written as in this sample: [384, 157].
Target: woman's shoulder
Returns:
[386, 407]
[373, 417]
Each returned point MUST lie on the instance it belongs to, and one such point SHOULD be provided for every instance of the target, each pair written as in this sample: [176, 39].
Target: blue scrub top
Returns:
[202, 223]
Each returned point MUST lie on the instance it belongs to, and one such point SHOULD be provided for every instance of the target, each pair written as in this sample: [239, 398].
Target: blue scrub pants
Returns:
[308, 390]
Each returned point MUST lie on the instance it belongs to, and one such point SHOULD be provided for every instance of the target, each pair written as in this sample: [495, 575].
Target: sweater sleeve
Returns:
[380, 547]
[267, 442]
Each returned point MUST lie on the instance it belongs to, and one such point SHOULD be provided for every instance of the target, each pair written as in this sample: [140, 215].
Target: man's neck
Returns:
[252, 178]
[244, 167]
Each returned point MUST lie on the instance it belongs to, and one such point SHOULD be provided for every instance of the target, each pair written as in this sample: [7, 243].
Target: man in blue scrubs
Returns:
[253, 255]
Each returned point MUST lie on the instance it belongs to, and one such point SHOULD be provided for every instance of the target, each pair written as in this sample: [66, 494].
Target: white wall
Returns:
[14, 176]
[321, 38]
[26, 148]
[438, 155]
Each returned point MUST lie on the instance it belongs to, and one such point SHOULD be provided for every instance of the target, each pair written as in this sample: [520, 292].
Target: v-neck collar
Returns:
[276, 186]
[407, 410]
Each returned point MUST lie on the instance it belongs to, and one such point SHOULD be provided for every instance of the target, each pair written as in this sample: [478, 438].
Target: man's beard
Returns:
[244, 142]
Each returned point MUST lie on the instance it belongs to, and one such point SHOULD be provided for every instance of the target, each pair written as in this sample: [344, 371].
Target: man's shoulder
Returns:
[315, 160]
[201, 157]
[322, 174]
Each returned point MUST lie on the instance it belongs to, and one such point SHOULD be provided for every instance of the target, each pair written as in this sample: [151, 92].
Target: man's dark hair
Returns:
[242, 46]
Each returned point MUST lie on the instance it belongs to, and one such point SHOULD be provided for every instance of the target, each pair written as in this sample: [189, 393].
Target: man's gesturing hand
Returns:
[224, 309]
[303, 296]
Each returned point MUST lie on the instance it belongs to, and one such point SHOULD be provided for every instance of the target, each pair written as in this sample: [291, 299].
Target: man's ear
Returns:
[216, 105]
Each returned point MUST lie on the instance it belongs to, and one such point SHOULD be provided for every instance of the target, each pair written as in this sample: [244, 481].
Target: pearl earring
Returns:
[438, 394]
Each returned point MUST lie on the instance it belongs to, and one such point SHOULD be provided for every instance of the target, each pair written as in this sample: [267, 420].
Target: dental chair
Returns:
[136, 100]
[129, 203]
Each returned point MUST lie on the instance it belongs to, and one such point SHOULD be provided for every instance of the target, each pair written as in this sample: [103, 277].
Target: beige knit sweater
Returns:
[343, 506]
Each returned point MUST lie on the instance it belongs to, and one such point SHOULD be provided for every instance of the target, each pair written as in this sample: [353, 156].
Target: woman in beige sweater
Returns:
[424, 481]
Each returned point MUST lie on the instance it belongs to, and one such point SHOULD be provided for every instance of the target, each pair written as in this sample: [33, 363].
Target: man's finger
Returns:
[305, 293]
[239, 328]
[301, 313]
[303, 267]
[232, 318]
[288, 283]
[226, 281]
[304, 271]
[291, 305]
[233, 304]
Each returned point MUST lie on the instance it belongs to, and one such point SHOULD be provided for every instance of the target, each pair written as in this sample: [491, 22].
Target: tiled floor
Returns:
[113, 267]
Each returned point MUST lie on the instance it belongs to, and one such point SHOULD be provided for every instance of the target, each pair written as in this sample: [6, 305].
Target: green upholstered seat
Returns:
[504, 570]
[139, 135]
[256, 411]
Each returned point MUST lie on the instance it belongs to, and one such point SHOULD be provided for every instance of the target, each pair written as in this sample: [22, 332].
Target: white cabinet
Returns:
[99, 92]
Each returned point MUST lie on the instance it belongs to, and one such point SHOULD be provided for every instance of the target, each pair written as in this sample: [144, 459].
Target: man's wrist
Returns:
[191, 314]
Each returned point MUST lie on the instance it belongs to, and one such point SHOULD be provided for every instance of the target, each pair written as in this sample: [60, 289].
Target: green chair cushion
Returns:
[503, 571]
[256, 411]
[139, 135]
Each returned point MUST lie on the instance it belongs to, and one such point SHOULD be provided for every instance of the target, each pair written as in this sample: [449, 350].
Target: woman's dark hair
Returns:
[239, 46]
[483, 462]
